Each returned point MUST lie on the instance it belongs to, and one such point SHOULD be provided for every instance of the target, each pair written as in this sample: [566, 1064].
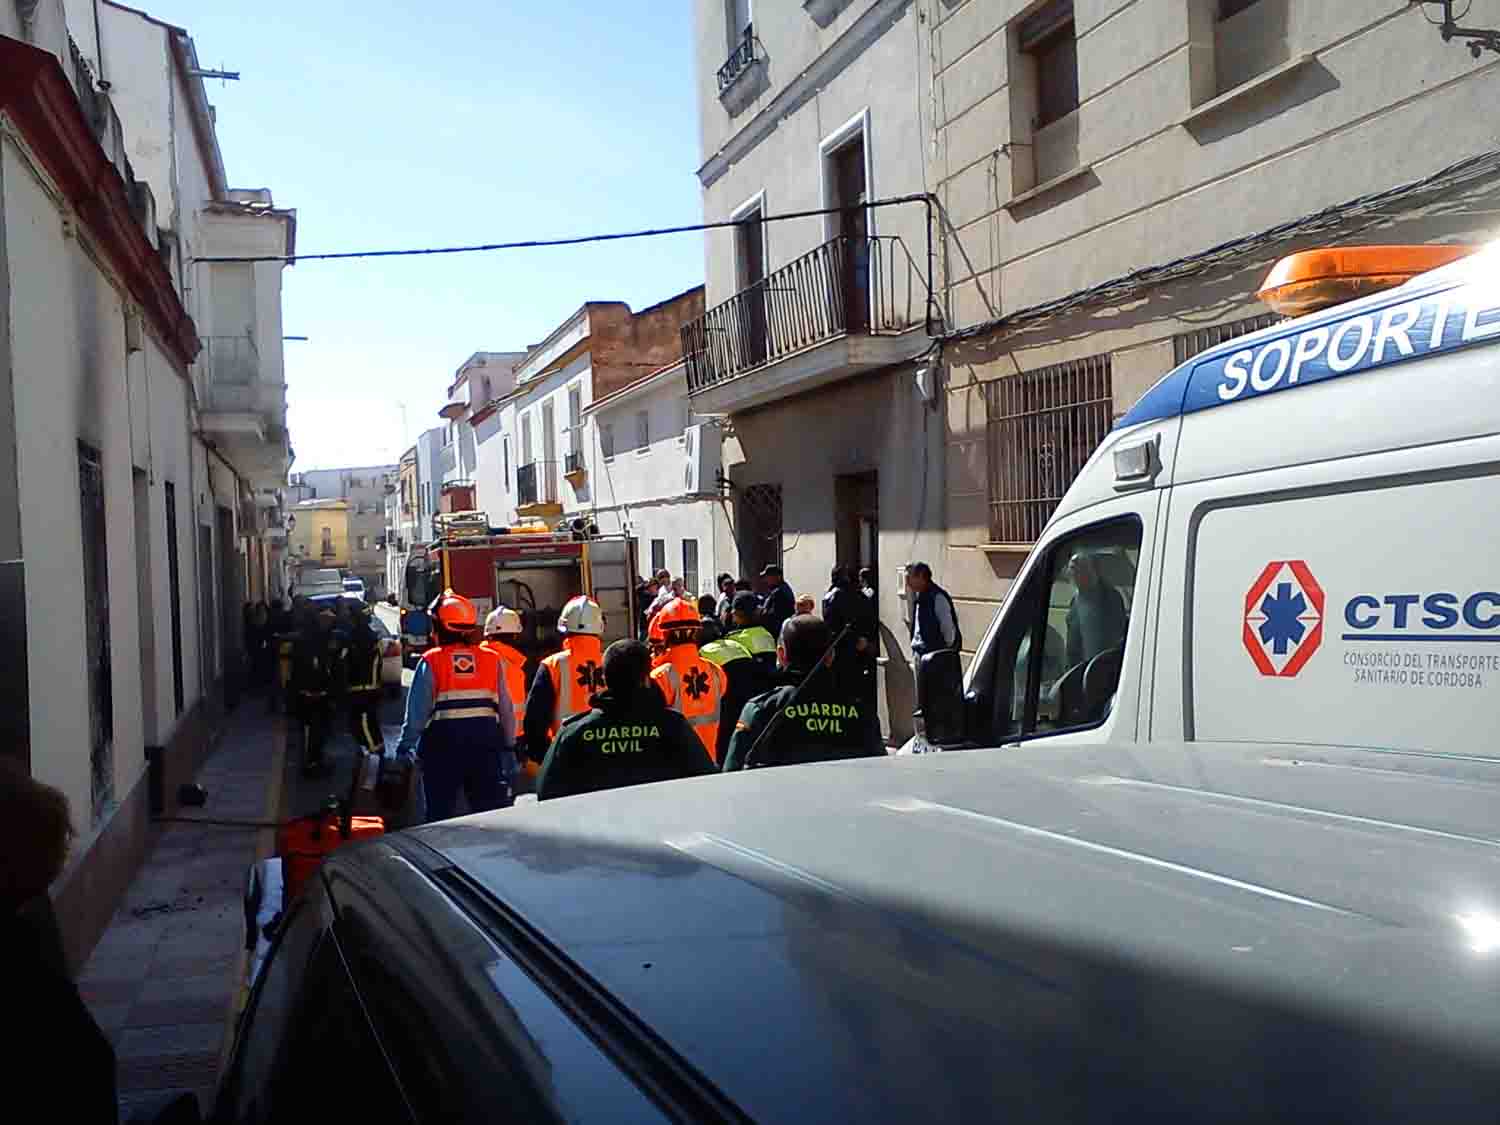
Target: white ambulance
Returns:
[1286, 540]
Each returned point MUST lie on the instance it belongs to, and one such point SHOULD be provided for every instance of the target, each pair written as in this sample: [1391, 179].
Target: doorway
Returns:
[145, 592]
[856, 505]
[850, 194]
[750, 254]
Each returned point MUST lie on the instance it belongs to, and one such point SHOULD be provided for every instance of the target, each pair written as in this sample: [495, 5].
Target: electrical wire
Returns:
[575, 240]
[1459, 174]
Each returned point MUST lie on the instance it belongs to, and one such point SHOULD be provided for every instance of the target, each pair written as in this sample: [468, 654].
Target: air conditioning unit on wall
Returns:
[702, 449]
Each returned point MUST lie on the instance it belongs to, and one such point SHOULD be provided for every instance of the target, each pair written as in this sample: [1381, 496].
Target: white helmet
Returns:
[502, 622]
[581, 617]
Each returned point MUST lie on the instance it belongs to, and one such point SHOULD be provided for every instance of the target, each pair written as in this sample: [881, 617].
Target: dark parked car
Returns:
[1232, 933]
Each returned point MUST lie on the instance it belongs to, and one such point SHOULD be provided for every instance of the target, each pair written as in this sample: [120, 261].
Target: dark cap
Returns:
[746, 603]
[770, 570]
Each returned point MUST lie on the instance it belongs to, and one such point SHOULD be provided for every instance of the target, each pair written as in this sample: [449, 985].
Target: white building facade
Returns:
[658, 473]
[810, 341]
[138, 489]
[537, 455]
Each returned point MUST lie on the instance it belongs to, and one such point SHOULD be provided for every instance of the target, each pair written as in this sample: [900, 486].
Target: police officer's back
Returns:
[818, 723]
[629, 736]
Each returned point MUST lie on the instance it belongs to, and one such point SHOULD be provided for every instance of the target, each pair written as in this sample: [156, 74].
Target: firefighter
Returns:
[747, 654]
[816, 721]
[689, 683]
[459, 720]
[362, 682]
[629, 737]
[500, 627]
[566, 680]
[314, 678]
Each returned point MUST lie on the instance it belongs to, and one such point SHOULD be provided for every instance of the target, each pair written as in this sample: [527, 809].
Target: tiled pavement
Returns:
[163, 980]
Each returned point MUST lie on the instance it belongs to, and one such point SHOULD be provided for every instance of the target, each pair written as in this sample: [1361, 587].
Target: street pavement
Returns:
[162, 982]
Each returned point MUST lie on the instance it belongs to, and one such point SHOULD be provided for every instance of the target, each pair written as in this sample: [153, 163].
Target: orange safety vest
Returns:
[465, 696]
[513, 669]
[577, 674]
[695, 687]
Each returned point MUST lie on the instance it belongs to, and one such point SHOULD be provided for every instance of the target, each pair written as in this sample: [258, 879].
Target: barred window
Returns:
[1188, 344]
[1040, 427]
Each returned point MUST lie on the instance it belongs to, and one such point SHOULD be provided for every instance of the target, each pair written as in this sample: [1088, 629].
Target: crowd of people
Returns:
[730, 670]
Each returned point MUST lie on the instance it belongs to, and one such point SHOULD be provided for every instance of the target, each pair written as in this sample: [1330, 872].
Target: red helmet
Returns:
[675, 623]
[455, 612]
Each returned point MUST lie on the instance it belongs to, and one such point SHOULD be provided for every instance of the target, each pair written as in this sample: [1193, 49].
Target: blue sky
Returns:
[393, 124]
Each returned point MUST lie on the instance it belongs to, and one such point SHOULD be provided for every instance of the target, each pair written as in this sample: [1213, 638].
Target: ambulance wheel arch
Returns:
[1341, 603]
[1082, 603]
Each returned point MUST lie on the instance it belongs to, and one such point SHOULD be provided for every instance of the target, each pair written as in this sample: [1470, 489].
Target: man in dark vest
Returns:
[936, 642]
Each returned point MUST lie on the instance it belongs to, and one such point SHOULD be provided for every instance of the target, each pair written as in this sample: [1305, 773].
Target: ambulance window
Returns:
[1059, 657]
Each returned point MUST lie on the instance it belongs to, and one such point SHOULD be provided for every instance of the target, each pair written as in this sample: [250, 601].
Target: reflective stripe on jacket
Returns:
[577, 674]
[695, 687]
[466, 704]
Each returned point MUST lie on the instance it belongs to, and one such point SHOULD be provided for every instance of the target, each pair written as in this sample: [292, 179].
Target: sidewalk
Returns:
[164, 978]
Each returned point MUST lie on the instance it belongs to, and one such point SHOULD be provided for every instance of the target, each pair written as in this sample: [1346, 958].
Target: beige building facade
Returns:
[1114, 178]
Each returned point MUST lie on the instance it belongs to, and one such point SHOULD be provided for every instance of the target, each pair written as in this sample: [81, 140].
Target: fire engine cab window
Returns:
[1059, 655]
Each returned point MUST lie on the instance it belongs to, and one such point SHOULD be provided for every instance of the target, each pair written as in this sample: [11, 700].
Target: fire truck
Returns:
[531, 567]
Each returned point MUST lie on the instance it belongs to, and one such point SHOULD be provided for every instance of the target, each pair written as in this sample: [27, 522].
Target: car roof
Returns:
[1056, 930]
[1436, 312]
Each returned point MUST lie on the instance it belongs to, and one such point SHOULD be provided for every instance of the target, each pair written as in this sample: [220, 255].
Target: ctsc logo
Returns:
[1283, 618]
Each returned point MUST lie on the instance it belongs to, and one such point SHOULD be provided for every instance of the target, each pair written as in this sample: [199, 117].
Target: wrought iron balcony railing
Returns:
[869, 286]
[536, 483]
[739, 60]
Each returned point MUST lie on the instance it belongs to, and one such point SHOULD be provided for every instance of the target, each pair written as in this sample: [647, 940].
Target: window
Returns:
[658, 555]
[642, 429]
[607, 439]
[1047, 36]
[1250, 37]
[1056, 661]
[1186, 345]
[526, 457]
[575, 419]
[1040, 427]
[327, 545]
[316, 1019]
[690, 566]
[1231, 8]
[363, 543]
[505, 462]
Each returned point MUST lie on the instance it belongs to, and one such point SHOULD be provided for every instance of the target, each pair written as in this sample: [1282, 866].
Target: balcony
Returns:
[537, 493]
[740, 59]
[847, 307]
[245, 413]
[574, 471]
[741, 80]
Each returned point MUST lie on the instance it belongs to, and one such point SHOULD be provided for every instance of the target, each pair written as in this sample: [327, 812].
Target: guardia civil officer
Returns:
[628, 737]
[816, 719]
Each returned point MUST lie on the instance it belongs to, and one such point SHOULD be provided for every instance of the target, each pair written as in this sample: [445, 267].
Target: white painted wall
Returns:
[72, 385]
[639, 490]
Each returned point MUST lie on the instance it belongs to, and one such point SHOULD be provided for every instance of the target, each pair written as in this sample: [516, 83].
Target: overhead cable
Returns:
[575, 240]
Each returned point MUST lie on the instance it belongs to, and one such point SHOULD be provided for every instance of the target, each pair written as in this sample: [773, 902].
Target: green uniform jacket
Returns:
[621, 742]
[748, 657]
[824, 724]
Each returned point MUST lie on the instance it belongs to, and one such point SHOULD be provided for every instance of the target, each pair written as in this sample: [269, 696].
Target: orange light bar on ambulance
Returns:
[1316, 279]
